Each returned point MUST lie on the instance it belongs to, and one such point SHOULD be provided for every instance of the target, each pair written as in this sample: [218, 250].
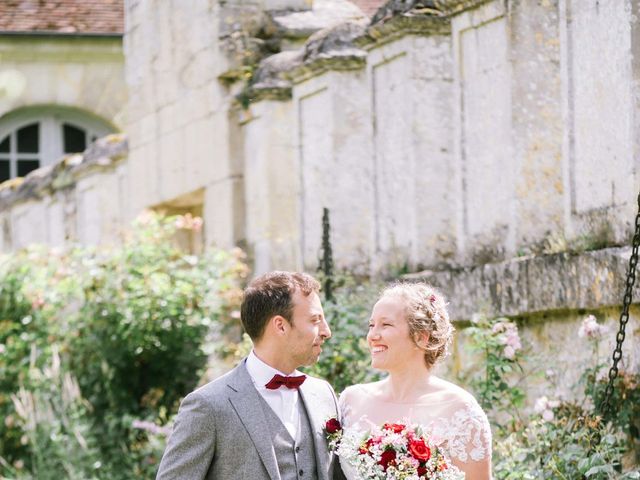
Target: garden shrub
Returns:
[561, 438]
[133, 324]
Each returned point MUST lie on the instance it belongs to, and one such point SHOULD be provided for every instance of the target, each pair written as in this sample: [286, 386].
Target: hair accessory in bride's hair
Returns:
[432, 299]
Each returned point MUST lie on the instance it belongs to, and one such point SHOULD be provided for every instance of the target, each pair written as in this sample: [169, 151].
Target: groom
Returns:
[264, 419]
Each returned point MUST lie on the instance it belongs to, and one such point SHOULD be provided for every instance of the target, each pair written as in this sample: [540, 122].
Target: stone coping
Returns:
[104, 153]
[344, 46]
[536, 284]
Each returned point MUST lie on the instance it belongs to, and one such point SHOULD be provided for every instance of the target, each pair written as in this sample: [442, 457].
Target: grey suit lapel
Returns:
[246, 402]
[311, 403]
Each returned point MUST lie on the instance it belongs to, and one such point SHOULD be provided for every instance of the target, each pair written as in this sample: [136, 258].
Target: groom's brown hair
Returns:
[271, 294]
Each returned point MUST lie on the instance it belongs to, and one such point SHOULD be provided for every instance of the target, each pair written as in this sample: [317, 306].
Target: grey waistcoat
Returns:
[296, 459]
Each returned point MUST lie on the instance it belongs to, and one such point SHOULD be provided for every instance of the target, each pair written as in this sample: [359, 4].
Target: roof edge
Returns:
[54, 33]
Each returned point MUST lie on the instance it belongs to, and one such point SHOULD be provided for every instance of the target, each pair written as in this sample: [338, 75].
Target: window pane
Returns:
[5, 146]
[28, 139]
[4, 170]
[25, 166]
[75, 139]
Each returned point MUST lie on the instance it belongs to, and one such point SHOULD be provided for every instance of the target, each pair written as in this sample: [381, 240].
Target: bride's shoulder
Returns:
[360, 390]
[457, 395]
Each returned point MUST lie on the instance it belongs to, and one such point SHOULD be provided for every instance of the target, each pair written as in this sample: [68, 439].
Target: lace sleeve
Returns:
[468, 434]
[345, 407]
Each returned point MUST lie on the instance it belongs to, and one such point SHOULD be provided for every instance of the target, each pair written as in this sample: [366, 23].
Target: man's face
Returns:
[309, 329]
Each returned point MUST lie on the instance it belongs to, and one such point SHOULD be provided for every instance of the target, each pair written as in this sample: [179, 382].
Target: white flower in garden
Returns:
[2, 348]
[545, 407]
[541, 404]
[591, 329]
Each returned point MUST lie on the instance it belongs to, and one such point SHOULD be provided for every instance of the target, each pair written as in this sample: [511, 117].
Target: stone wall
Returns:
[178, 113]
[464, 138]
[492, 146]
[81, 72]
[438, 139]
[81, 199]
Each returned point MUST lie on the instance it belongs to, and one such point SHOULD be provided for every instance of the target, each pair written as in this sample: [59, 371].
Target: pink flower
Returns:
[508, 336]
[591, 329]
[509, 352]
[545, 407]
[498, 327]
[197, 224]
[151, 427]
[181, 222]
[37, 303]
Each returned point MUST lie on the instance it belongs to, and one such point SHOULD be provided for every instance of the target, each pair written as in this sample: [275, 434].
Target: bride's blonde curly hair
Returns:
[426, 312]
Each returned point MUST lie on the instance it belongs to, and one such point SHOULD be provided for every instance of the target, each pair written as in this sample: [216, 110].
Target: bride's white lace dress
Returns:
[452, 418]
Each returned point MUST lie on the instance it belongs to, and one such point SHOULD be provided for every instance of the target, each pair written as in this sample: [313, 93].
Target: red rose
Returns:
[333, 426]
[388, 458]
[422, 471]
[394, 427]
[365, 448]
[419, 450]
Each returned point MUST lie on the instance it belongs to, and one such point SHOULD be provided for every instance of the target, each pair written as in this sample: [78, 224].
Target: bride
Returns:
[409, 332]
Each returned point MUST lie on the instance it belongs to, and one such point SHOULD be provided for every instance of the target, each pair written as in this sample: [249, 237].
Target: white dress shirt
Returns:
[283, 401]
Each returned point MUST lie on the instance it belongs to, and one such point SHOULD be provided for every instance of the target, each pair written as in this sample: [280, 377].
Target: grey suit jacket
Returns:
[221, 432]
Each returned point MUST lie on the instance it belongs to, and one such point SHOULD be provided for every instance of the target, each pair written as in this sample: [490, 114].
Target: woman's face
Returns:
[389, 340]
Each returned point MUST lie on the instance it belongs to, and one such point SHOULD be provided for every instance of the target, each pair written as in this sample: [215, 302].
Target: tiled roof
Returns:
[369, 7]
[62, 16]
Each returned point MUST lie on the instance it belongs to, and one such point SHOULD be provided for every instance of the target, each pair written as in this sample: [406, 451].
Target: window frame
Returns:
[51, 121]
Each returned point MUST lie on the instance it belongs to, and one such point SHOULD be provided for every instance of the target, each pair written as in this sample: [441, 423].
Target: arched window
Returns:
[33, 137]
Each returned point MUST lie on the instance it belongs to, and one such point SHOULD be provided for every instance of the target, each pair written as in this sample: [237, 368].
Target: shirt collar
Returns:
[260, 372]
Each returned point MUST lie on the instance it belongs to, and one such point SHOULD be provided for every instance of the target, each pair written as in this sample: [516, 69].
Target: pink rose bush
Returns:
[507, 333]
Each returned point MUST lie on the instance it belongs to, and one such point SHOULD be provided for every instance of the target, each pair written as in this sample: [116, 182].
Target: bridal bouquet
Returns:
[396, 452]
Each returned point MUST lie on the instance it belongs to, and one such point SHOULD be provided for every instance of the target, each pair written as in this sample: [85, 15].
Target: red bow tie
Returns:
[290, 382]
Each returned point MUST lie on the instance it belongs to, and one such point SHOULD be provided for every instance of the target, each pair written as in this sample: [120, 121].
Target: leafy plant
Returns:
[134, 325]
[497, 380]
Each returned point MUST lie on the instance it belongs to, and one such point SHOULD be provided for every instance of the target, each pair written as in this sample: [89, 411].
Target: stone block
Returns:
[534, 285]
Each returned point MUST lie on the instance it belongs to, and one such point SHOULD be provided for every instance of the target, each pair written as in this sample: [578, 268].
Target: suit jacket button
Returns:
[301, 472]
[297, 449]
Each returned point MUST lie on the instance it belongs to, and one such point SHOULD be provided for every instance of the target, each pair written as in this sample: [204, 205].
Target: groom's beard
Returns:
[310, 356]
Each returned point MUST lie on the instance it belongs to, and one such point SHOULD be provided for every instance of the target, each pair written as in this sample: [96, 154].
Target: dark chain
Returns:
[326, 262]
[605, 405]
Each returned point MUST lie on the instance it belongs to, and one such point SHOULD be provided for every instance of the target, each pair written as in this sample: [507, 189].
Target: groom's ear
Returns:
[279, 324]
